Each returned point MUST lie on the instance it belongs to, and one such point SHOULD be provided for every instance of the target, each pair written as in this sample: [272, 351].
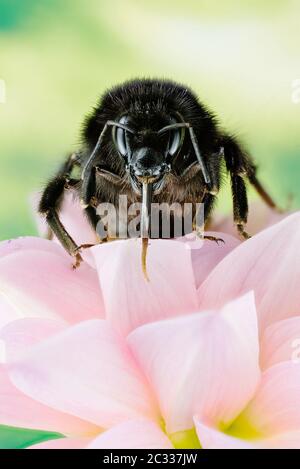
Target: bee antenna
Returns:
[199, 156]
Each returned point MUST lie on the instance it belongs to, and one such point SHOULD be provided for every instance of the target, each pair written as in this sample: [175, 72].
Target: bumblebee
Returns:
[153, 141]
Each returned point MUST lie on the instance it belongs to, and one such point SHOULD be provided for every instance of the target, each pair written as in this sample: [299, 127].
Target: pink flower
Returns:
[202, 355]
[260, 217]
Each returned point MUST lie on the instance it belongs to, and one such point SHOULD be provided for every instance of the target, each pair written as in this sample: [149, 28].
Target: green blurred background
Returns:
[58, 56]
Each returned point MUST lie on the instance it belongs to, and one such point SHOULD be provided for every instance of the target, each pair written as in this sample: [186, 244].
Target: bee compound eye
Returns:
[121, 141]
[175, 140]
[119, 137]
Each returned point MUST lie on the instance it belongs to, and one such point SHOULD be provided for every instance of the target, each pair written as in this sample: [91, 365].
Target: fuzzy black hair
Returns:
[149, 101]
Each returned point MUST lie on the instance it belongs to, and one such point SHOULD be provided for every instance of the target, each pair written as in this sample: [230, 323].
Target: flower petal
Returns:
[209, 254]
[21, 334]
[269, 264]
[134, 434]
[30, 243]
[211, 438]
[19, 410]
[7, 312]
[275, 408]
[86, 371]
[129, 299]
[281, 342]
[205, 363]
[42, 284]
[282, 441]
[260, 217]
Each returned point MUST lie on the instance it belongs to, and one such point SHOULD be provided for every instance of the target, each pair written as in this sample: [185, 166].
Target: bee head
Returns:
[147, 152]
[145, 129]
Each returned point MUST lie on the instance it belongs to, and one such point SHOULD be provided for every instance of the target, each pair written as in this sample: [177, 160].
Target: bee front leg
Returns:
[49, 206]
[201, 235]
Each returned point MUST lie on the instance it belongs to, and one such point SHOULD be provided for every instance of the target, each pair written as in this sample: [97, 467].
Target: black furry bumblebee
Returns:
[151, 140]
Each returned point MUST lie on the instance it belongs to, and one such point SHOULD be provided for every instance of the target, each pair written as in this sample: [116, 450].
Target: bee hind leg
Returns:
[241, 166]
[262, 192]
[240, 205]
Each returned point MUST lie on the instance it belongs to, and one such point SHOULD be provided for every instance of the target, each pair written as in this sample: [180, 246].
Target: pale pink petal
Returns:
[211, 438]
[7, 312]
[205, 363]
[86, 371]
[18, 336]
[134, 434]
[275, 408]
[62, 443]
[269, 264]
[42, 284]
[19, 410]
[260, 217]
[207, 256]
[129, 299]
[31, 243]
[71, 215]
[282, 441]
[40, 221]
[281, 342]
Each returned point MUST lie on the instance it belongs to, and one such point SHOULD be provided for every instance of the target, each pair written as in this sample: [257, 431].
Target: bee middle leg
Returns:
[208, 202]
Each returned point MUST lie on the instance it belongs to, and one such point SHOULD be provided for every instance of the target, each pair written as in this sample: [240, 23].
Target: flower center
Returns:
[187, 439]
[242, 428]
